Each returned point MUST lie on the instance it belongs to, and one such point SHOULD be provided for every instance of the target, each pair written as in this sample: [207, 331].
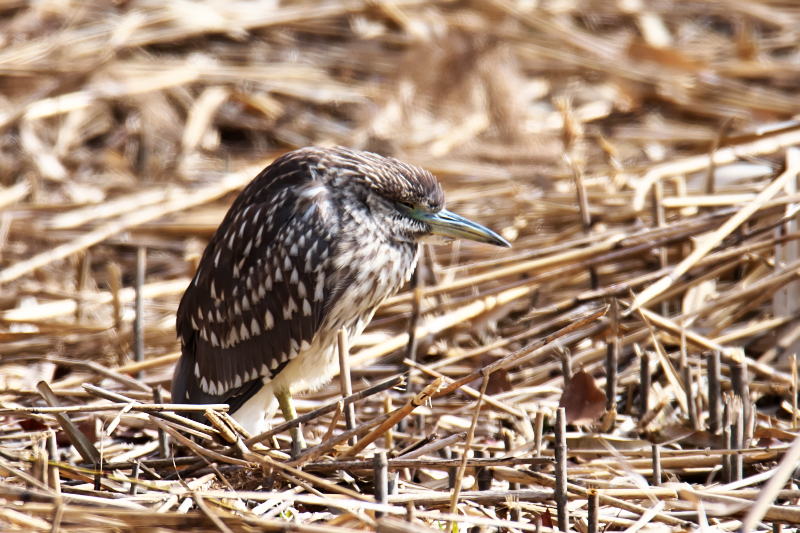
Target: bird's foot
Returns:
[287, 408]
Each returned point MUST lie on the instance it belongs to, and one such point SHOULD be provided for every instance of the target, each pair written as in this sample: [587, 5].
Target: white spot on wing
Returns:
[233, 337]
[289, 308]
[318, 291]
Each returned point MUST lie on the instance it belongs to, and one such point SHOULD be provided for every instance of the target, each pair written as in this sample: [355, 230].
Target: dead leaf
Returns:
[582, 399]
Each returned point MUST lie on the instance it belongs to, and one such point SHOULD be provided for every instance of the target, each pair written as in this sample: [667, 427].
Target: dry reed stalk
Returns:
[646, 167]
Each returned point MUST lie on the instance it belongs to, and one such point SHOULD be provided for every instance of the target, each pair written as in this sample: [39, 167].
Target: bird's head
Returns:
[411, 200]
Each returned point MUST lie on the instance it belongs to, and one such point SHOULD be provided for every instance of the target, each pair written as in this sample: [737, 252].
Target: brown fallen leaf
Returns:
[583, 401]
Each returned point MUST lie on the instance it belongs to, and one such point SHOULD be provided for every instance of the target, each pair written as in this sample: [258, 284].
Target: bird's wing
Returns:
[262, 288]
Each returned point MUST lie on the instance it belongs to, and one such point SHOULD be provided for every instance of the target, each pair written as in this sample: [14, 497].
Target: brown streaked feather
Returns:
[300, 250]
[247, 286]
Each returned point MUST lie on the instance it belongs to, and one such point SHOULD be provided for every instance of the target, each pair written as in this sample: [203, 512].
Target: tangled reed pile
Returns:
[638, 154]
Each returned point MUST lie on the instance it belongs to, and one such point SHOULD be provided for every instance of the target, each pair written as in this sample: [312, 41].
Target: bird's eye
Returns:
[407, 205]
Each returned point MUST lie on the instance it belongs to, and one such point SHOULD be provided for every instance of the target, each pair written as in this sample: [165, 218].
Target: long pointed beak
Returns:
[449, 224]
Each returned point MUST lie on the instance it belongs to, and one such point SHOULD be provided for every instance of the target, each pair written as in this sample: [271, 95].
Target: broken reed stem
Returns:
[593, 512]
[483, 475]
[561, 469]
[737, 441]
[446, 453]
[467, 446]
[645, 383]
[138, 324]
[135, 477]
[727, 442]
[714, 392]
[344, 381]
[686, 377]
[612, 357]
[656, 451]
[380, 468]
[738, 369]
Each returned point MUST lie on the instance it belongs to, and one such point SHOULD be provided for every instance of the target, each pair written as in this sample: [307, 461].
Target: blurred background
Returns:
[135, 123]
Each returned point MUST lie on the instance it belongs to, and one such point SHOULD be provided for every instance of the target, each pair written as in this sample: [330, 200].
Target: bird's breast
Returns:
[372, 271]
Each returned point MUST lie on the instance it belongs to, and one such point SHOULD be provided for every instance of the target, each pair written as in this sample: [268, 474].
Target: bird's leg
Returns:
[287, 408]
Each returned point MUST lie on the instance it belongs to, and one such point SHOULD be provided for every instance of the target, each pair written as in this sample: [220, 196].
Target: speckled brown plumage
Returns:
[313, 244]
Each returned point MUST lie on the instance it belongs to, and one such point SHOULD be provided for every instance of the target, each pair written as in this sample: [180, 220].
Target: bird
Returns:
[312, 245]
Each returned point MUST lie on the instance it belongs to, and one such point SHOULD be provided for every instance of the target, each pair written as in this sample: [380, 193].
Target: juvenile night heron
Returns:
[313, 244]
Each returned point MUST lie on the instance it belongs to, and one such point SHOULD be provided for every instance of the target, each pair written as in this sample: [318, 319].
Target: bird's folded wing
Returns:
[262, 289]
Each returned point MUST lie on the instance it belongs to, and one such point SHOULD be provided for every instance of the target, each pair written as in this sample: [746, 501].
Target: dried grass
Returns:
[640, 151]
